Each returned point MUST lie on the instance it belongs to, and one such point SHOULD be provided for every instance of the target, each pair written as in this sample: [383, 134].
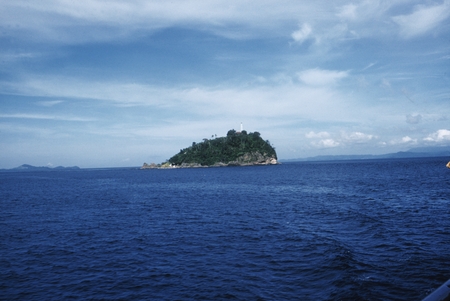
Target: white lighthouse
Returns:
[242, 127]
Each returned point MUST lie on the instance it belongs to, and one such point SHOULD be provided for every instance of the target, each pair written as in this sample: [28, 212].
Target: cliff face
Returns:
[254, 158]
[236, 149]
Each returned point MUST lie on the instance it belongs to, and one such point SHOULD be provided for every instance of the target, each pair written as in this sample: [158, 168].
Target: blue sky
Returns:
[119, 83]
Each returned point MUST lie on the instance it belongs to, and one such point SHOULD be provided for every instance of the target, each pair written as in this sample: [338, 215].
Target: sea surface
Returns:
[350, 230]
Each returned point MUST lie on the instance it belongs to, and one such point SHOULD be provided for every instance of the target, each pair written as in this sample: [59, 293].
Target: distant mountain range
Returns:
[419, 152]
[27, 167]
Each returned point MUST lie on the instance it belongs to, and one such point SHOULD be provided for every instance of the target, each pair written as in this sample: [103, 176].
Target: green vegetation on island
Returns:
[236, 149]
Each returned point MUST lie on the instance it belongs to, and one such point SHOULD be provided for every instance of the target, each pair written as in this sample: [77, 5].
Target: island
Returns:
[236, 149]
[28, 167]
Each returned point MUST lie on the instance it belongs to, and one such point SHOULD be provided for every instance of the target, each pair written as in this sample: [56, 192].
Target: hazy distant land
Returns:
[420, 152]
[27, 167]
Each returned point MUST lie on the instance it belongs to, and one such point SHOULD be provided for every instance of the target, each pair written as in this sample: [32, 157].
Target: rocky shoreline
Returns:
[249, 159]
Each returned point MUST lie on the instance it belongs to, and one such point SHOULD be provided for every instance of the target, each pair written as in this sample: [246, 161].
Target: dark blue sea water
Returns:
[362, 230]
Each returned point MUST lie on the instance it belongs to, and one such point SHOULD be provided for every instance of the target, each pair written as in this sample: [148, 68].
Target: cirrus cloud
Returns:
[46, 117]
[422, 20]
[321, 77]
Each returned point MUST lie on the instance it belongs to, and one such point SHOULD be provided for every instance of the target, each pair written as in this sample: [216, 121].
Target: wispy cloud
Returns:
[66, 21]
[13, 57]
[423, 19]
[302, 34]
[369, 66]
[19, 129]
[413, 119]
[348, 12]
[222, 99]
[317, 135]
[49, 103]
[319, 77]
[54, 20]
[46, 117]
[363, 11]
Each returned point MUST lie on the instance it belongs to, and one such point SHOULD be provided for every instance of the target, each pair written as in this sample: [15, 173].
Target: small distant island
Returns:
[28, 167]
[236, 149]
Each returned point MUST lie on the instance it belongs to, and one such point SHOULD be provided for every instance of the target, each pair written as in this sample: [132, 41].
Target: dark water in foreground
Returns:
[367, 230]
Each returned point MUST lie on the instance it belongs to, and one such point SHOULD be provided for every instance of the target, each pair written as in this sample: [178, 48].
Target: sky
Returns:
[118, 83]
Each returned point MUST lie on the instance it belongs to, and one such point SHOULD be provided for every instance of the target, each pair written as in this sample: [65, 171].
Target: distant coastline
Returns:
[420, 152]
[425, 152]
[28, 167]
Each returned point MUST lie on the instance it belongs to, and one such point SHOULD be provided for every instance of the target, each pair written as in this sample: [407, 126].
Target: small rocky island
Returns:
[236, 149]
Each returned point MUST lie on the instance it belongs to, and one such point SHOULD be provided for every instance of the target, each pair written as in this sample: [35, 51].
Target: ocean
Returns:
[343, 230]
